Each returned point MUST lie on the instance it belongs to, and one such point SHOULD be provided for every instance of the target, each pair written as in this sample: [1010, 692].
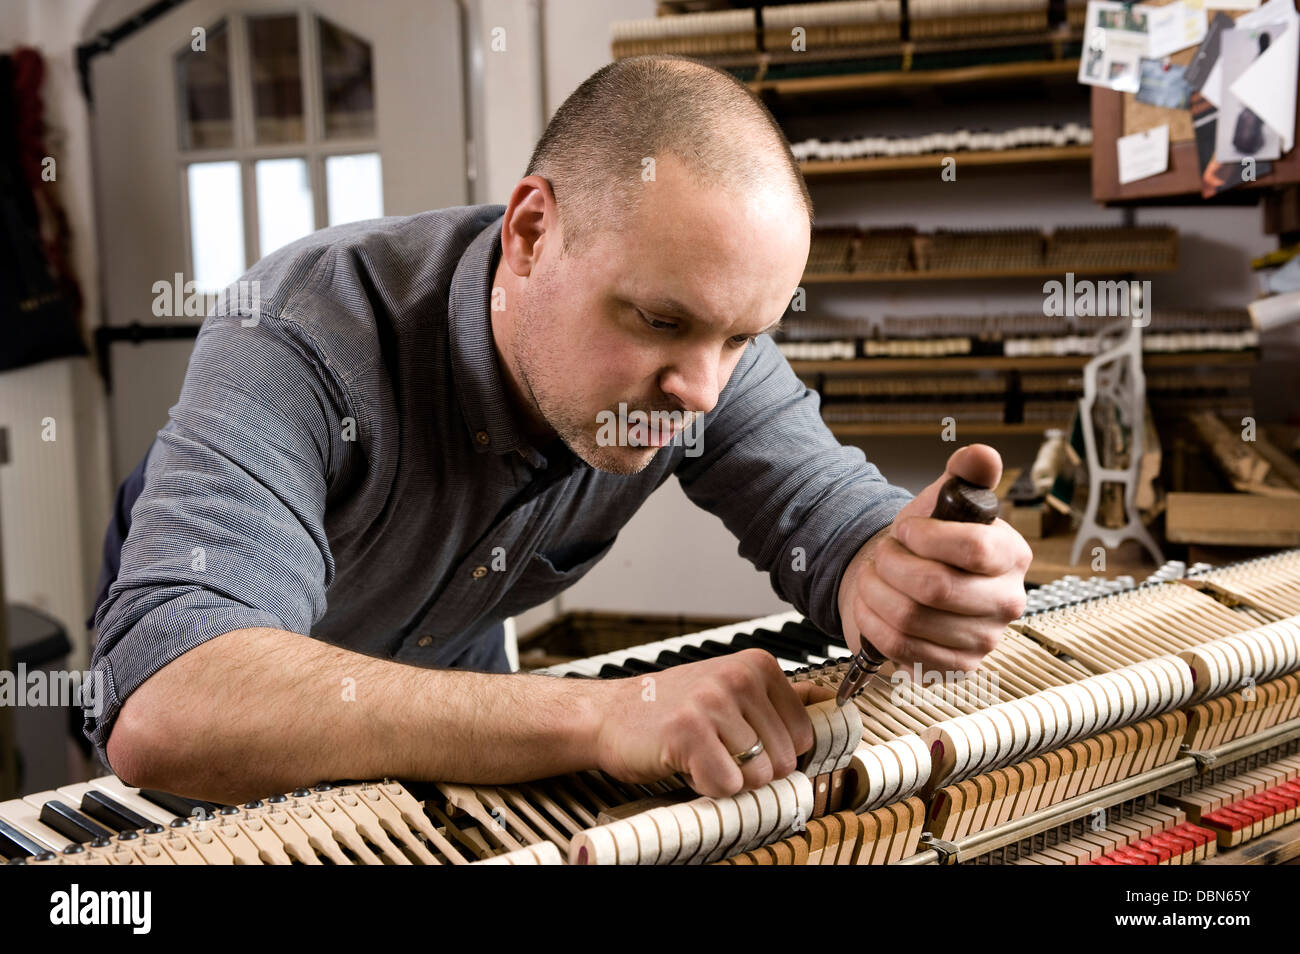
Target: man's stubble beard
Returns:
[535, 353]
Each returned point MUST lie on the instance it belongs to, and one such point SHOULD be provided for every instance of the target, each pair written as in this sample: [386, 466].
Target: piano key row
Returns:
[107, 822]
[90, 813]
[793, 640]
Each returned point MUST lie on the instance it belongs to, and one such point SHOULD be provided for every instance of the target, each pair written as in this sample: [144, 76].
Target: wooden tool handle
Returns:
[964, 502]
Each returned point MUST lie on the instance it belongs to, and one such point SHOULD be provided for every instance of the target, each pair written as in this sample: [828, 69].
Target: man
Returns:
[406, 444]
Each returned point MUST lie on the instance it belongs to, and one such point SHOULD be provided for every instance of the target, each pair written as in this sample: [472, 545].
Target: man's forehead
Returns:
[700, 268]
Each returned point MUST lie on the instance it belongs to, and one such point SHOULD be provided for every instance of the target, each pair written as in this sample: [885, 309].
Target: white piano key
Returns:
[585, 667]
[27, 819]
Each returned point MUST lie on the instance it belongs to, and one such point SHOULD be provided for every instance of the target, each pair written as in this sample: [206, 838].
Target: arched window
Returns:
[277, 137]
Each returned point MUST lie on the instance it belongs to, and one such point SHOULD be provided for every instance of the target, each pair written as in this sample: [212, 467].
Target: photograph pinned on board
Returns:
[1120, 16]
[1163, 84]
[1115, 40]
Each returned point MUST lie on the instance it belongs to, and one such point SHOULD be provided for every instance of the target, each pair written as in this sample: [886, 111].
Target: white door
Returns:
[227, 128]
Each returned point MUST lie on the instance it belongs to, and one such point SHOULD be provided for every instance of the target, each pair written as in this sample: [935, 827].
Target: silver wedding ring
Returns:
[751, 753]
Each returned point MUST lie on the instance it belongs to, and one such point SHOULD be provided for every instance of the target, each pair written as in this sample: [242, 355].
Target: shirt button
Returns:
[482, 437]
[424, 641]
[479, 572]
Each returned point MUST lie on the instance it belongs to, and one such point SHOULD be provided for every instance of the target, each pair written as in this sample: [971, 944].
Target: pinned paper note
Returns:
[1243, 130]
[1213, 88]
[1267, 87]
[1143, 154]
[1173, 27]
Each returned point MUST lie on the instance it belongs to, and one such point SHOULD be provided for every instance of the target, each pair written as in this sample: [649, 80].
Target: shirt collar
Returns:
[476, 369]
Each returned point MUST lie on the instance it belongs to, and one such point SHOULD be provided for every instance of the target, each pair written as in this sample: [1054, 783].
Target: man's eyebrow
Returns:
[675, 309]
[671, 307]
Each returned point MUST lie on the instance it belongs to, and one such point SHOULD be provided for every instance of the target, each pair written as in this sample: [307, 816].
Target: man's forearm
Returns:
[257, 711]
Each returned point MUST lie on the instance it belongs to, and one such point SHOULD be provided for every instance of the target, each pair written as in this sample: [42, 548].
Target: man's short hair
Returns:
[593, 148]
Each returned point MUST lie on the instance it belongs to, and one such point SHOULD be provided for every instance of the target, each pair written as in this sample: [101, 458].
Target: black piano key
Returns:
[747, 641]
[669, 658]
[776, 648]
[719, 649]
[809, 627]
[18, 844]
[71, 824]
[108, 811]
[611, 671]
[179, 804]
[818, 643]
[775, 637]
[693, 653]
[641, 666]
[788, 648]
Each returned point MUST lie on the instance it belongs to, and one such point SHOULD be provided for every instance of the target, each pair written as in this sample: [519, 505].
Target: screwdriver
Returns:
[960, 501]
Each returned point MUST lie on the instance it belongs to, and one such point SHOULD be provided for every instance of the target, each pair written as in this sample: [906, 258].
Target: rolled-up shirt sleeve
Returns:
[800, 503]
[228, 531]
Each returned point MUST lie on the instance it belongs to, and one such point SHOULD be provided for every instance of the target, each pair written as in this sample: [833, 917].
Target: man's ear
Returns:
[530, 224]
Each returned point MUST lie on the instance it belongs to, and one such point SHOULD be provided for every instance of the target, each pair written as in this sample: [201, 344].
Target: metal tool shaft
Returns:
[960, 501]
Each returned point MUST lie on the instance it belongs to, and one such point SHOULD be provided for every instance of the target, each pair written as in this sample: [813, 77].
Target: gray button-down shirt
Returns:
[348, 467]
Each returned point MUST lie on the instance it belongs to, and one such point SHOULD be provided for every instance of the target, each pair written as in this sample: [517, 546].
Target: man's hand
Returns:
[937, 592]
[696, 718]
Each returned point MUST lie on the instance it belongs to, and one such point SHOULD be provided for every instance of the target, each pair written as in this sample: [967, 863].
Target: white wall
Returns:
[512, 117]
[52, 540]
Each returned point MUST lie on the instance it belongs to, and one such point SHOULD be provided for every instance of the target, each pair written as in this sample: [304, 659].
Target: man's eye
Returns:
[656, 323]
[741, 340]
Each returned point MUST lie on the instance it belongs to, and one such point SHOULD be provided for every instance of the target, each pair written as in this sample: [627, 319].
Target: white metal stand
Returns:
[1114, 379]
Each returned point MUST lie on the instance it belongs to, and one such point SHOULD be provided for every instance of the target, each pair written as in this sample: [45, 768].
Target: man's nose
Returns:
[693, 380]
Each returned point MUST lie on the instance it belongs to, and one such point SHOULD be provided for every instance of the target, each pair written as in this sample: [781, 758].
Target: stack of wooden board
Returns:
[1265, 510]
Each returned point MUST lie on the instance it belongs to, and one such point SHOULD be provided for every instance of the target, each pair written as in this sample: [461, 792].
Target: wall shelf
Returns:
[852, 82]
[933, 430]
[1035, 271]
[997, 362]
[1055, 44]
[933, 162]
